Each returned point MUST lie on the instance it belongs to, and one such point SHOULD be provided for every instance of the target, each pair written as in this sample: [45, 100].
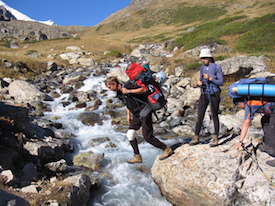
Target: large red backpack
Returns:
[140, 76]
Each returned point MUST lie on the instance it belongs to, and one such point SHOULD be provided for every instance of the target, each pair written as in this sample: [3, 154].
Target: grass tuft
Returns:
[114, 54]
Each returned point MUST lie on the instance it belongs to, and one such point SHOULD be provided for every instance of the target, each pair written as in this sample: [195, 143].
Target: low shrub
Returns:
[191, 68]
[114, 53]
[177, 61]
[30, 52]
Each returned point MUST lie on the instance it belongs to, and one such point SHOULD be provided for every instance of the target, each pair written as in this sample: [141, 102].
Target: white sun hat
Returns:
[205, 53]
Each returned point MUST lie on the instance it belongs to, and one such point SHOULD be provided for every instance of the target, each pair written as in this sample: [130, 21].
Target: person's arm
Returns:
[245, 127]
[219, 77]
[140, 90]
[216, 78]
[199, 82]
[128, 115]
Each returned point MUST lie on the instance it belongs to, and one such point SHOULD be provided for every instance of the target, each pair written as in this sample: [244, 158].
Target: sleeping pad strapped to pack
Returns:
[256, 88]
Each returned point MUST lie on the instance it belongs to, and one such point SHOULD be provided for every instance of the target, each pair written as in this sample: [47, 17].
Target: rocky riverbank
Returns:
[33, 149]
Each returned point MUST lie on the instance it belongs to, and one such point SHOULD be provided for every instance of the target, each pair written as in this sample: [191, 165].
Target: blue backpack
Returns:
[257, 88]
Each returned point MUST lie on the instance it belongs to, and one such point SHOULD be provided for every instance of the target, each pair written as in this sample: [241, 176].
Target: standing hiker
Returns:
[268, 123]
[126, 93]
[211, 78]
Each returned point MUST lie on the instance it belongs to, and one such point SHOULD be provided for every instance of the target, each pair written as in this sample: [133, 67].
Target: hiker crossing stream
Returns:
[123, 183]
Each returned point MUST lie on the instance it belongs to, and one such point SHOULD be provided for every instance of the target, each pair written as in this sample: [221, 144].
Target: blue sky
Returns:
[68, 12]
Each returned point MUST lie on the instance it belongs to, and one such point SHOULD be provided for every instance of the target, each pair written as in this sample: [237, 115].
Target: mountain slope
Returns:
[152, 8]
[154, 17]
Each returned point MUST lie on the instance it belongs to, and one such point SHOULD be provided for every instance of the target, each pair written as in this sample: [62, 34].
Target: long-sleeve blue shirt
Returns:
[215, 72]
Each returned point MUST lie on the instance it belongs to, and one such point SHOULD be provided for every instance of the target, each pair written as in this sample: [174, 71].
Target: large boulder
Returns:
[19, 117]
[88, 159]
[90, 118]
[48, 150]
[120, 74]
[73, 79]
[191, 96]
[73, 48]
[23, 91]
[80, 193]
[86, 61]
[136, 53]
[59, 166]
[239, 67]
[70, 55]
[201, 175]
[215, 48]
[242, 65]
[10, 199]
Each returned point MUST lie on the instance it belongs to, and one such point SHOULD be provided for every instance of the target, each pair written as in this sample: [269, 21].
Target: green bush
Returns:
[142, 39]
[114, 54]
[31, 52]
[6, 44]
[178, 61]
[147, 23]
[99, 27]
[193, 66]
[220, 58]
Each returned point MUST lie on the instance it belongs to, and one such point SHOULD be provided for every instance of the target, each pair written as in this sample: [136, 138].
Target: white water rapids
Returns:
[126, 184]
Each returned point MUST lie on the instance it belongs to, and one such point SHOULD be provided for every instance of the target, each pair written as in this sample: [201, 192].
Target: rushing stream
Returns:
[126, 184]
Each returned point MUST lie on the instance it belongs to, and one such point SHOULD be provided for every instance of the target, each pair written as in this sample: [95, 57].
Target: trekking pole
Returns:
[210, 99]
[258, 165]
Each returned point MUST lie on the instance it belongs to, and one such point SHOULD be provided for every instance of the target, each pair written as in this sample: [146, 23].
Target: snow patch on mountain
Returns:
[19, 16]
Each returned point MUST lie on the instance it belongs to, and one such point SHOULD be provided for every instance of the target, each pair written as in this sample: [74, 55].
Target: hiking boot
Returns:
[137, 159]
[271, 163]
[166, 153]
[267, 149]
[214, 142]
[195, 140]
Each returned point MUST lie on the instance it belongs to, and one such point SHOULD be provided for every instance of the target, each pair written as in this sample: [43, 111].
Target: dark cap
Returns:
[237, 100]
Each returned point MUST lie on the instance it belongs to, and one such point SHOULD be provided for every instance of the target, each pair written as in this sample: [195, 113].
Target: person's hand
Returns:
[199, 82]
[124, 90]
[206, 76]
[240, 145]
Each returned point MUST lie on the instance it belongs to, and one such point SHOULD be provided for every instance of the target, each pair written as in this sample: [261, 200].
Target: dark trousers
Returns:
[268, 125]
[203, 103]
[147, 130]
